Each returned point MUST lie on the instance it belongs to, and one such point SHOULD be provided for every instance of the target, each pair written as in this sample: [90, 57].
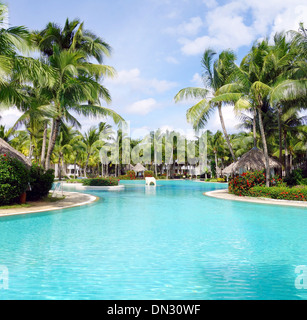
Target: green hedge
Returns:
[14, 179]
[100, 182]
[41, 182]
[148, 174]
[282, 193]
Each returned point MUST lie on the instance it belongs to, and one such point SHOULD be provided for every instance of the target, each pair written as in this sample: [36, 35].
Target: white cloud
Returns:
[210, 3]
[198, 80]
[239, 23]
[9, 117]
[142, 107]
[190, 28]
[172, 60]
[230, 119]
[132, 78]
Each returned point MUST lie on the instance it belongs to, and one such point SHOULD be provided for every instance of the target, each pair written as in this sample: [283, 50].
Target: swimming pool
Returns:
[169, 242]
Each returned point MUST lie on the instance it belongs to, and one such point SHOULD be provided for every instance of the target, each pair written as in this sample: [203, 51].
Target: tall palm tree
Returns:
[263, 80]
[216, 74]
[77, 84]
[72, 37]
[92, 143]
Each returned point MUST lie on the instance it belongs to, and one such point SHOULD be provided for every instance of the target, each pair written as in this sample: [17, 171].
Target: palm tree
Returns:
[76, 84]
[216, 74]
[72, 37]
[264, 79]
[92, 143]
[216, 146]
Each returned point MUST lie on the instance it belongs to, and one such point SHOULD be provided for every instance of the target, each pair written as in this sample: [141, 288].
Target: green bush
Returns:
[14, 179]
[148, 174]
[100, 182]
[295, 177]
[130, 175]
[41, 182]
[221, 180]
[281, 193]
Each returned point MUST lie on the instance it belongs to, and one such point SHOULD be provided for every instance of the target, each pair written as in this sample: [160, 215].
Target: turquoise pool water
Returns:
[168, 242]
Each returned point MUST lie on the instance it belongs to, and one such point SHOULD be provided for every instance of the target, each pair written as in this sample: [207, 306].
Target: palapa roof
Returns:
[229, 169]
[5, 148]
[139, 168]
[252, 160]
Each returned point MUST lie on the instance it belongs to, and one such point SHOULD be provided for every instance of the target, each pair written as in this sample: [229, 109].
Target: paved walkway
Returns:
[72, 199]
[223, 194]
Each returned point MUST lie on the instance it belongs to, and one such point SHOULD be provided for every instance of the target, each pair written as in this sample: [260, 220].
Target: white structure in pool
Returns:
[151, 180]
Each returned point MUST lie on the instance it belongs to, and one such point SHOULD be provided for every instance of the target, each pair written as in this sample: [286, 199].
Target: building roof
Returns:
[252, 160]
[139, 168]
[5, 148]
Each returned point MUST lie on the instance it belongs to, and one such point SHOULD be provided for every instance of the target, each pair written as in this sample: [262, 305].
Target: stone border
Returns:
[224, 195]
[86, 188]
[72, 199]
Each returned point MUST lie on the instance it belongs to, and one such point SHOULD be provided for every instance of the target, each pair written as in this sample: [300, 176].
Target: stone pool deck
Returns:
[224, 195]
[72, 199]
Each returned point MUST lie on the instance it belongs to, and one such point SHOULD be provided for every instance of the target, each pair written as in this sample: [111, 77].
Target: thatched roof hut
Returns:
[5, 148]
[139, 168]
[230, 169]
[254, 160]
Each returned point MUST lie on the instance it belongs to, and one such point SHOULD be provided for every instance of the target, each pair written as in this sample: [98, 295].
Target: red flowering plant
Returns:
[280, 193]
[241, 184]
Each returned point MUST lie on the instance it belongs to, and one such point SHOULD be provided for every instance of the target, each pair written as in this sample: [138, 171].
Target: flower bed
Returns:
[281, 193]
[241, 184]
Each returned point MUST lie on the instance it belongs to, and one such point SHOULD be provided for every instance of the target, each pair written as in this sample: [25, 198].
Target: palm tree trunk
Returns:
[86, 165]
[30, 148]
[255, 128]
[287, 169]
[280, 140]
[53, 136]
[265, 149]
[225, 132]
[43, 155]
[75, 168]
[216, 166]
[60, 168]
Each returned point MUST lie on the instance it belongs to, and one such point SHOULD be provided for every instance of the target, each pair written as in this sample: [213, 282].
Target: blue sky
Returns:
[158, 44]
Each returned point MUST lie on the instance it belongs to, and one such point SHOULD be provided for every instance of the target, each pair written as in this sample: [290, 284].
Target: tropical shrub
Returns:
[281, 193]
[221, 180]
[240, 185]
[131, 175]
[14, 179]
[148, 174]
[41, 183]
[295, 178]
[101, 182]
